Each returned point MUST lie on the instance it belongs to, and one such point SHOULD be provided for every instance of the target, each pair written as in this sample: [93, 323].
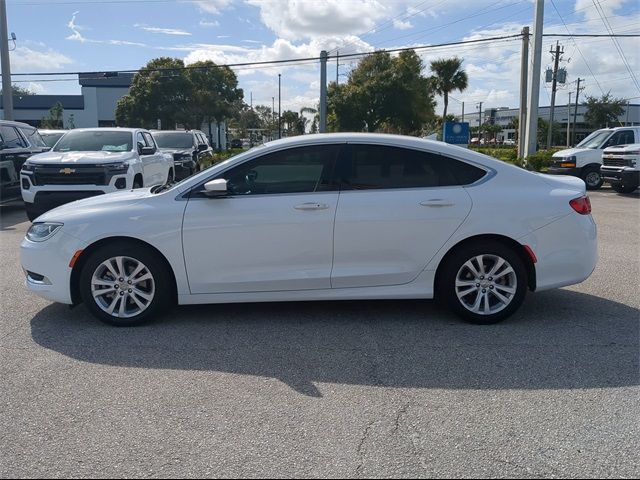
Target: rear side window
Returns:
[11, 137]
[385, 167]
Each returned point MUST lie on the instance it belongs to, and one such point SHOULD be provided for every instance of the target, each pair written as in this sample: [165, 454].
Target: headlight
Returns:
[568, 162]
[28, 167]
[39, 232]
[117, 167]
[572, 159]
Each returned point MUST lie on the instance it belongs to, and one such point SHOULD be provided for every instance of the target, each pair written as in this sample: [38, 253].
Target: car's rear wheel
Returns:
[124, 284]
[484, 283]
[592, 178]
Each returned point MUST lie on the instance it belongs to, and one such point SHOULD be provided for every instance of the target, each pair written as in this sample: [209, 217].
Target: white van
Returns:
[585, 159]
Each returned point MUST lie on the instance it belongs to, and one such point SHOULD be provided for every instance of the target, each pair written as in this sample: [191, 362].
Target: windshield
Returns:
[50, 139]
[95, 141]
[595, 140]
[173, 140]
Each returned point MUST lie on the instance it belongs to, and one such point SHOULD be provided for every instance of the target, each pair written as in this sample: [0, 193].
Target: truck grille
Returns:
[70, 175]
[616, 162]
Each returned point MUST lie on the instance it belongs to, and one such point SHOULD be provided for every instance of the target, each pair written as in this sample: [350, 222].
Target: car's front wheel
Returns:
[624, 187]
[484, 283]
[592, 178]
[124, 284]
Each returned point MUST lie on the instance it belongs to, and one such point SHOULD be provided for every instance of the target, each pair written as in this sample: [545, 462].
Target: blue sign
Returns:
[456, 133]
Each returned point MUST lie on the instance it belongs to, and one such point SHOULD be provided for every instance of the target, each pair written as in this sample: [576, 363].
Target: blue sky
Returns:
[93, 35]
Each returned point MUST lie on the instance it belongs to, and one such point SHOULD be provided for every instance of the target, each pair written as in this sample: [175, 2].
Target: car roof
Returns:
[17, 124]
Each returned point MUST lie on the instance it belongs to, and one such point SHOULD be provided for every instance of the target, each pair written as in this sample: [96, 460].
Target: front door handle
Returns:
[437, 202]
[311, 206]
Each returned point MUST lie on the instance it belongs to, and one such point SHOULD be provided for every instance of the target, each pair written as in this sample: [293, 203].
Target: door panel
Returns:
[273, 231]
[388, 227]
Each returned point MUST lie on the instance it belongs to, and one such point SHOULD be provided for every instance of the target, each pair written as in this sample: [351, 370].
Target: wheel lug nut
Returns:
[491, 279]
[121, 279]
[477, 284]
[484, 290]
[117, 286]
[121, 293]
[481, 277]
[132, 290]
[129, 282]
[491, 287]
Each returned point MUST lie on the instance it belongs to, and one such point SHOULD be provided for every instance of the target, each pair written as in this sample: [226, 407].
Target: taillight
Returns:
[582, 205]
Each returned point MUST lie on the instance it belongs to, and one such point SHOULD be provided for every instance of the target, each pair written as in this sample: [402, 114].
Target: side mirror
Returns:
[216, 188]
[202, 147]
[147, 151]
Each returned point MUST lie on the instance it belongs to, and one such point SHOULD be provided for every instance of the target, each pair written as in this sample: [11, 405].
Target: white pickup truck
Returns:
[621, 167]
[92, 161]
[585, 159]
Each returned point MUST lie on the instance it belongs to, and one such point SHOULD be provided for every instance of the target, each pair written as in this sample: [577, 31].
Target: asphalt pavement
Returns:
[329, 389]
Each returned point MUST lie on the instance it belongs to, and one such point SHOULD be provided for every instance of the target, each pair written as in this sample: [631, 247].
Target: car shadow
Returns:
[559, 340]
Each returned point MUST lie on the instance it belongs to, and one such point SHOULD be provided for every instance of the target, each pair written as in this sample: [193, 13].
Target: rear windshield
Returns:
[173, 139]
[34, 137]
[95, 141]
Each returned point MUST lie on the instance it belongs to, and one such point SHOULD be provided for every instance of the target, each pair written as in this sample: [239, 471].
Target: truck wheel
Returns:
[623, 188]
[592, 177]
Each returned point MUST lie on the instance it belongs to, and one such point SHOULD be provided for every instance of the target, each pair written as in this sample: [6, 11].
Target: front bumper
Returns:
[50, 260]
[575, 172]
[184, 169]
[620, 176]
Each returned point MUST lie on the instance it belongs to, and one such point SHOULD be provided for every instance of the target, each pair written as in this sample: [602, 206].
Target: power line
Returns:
[278, 62]
[591, 35]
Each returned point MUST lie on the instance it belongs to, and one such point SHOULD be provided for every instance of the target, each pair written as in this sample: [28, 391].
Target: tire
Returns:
[592, 178]
[623, 188]
[457, 278]
[153, 285]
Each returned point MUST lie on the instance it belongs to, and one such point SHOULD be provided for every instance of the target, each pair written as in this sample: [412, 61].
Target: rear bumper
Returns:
[575, 172]
[567, 251]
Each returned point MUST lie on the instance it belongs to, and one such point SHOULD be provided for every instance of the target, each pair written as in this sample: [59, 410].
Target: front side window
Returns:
[149, 139]
[296, 170]
[11, 137]
[95, 141]
[385, 167]
[621, 137]
[34, 138]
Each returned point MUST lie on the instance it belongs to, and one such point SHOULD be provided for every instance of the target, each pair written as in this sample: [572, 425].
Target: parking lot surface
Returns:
[331, 389]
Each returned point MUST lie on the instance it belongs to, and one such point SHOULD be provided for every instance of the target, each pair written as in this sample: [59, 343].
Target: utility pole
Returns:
[626, 121]
[479, 121]
[7, 92]
[323, 91]
[575, 114]
[533, 94]
[337, 66]
[279, 107]
[569, 121]
[251, 101]
[273, 116]
[554, 81]
[524, 68]
[462, 112]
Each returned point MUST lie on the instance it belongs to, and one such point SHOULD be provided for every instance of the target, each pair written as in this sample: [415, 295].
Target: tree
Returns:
[602, 111]
[382, 94]
[448, 77]
[543, 128]
[18, 91]
[54, 120]
[164, 90]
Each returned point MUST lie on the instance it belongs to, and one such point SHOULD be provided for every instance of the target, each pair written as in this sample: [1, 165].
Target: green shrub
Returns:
[541, 160]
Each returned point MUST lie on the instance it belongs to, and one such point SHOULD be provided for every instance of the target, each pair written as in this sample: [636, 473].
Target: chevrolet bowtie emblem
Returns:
[68, 171]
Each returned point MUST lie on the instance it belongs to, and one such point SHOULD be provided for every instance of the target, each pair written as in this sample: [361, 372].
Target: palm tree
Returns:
[448, 77]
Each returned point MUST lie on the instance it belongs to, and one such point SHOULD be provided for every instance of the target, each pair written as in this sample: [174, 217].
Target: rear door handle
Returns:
[311, 206]
[437, 202]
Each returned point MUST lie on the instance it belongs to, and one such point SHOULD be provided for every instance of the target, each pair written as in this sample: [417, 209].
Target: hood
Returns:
[575, 151]
[564, 182]
[80, 157]
[93, 205]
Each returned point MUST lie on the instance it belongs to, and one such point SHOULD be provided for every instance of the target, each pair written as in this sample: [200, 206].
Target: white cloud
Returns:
[209, 24]
[212, 6]
[303, 19]
[25, 59]
[165, 31]
[78, 37]
[401, 25]
[35, 87]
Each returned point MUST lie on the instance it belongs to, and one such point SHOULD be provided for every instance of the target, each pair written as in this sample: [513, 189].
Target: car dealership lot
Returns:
[385, 388]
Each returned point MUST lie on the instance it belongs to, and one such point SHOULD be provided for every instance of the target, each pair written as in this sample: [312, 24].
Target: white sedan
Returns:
[321, 217]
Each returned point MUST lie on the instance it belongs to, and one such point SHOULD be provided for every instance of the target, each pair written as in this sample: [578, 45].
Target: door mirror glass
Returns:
[216, 187]
[202, 147]
[147, 151]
